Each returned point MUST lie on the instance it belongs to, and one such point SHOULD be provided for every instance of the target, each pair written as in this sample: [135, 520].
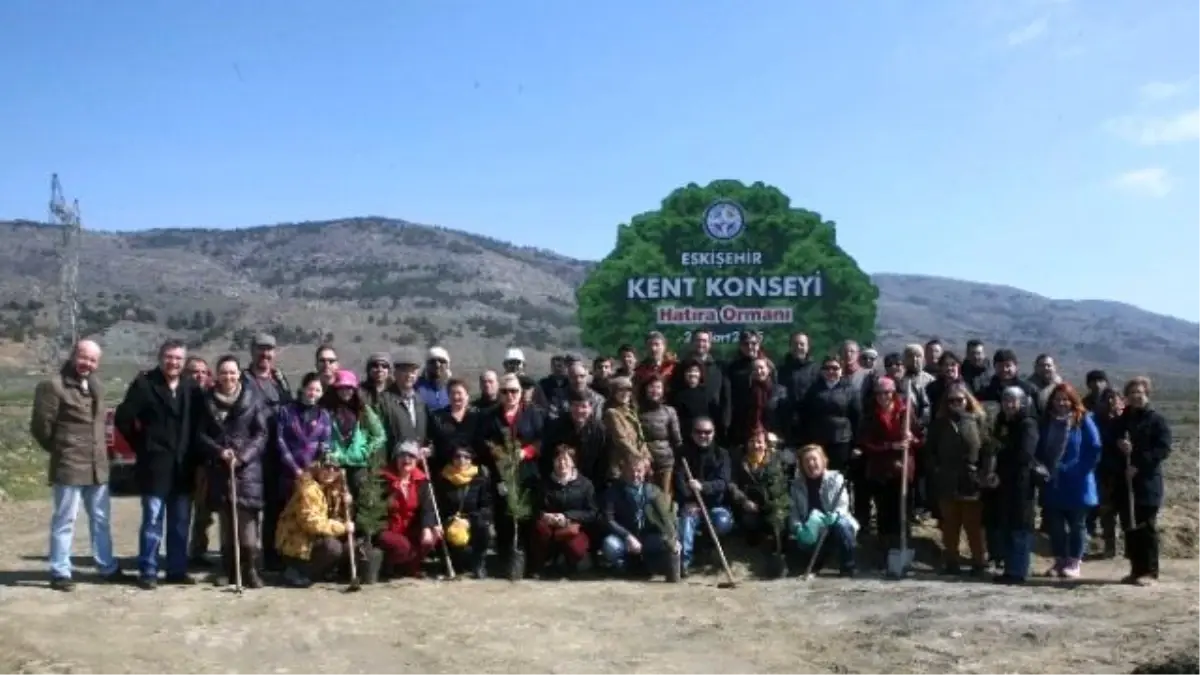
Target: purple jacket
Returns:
[303, 434]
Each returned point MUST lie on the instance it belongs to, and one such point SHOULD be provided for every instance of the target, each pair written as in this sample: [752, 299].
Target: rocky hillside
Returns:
[372, 282]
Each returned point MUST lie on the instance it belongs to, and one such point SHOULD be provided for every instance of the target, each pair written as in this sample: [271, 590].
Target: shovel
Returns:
[437, 515]
[816, 554]
[237, 540]
[355, 585]
[900, 560]
[729, 582]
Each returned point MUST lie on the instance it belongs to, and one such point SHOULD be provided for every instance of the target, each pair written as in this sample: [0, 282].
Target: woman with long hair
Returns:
[303, 430]
[960, 461]
[356, 434]
[1069, 449]
[764, 406]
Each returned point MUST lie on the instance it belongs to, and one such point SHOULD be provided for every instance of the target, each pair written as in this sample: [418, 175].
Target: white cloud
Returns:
[1161, 91]
[1029, 32]
[1164, 130]
[1153, 182]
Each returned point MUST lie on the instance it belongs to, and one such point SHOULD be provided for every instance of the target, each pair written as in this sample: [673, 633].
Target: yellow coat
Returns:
[304, 519]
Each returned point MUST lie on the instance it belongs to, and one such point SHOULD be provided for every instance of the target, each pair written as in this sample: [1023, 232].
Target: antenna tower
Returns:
[66, 218]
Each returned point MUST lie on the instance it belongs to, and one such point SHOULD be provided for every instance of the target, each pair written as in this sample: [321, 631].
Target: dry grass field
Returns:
[923, 624]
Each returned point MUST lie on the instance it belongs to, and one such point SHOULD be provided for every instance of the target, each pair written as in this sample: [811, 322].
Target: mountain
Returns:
[372, 282]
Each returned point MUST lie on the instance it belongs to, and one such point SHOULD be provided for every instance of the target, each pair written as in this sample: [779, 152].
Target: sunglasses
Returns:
[380, 366]
[510, 391]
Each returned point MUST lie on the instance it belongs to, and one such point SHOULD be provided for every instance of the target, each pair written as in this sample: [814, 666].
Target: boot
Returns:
[250, 562]
[223, 573]
[478, 564]
[293, 576]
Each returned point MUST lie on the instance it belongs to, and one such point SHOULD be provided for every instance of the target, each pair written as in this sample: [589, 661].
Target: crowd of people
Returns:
[623, 466]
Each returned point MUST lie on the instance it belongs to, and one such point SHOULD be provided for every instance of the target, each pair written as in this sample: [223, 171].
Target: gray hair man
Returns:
[68, 423]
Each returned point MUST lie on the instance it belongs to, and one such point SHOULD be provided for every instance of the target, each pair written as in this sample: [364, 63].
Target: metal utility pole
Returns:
[66, 218]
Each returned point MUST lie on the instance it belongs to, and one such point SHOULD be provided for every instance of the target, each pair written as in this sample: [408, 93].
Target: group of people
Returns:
[627, 464]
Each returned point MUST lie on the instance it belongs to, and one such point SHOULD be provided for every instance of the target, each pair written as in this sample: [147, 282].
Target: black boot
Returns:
[250, 562]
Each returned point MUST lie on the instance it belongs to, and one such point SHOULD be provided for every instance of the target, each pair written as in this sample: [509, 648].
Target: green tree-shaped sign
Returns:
[725, 257]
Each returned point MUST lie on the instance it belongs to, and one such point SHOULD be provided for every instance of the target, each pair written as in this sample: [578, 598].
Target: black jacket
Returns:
[245, 431]
[160, 426]
[576, 499]
[711, 467]
[447, 433]
[591, 448]
[832, 414]
[1012, 502]
[472, 501]
[1151, 438]
[976, 377]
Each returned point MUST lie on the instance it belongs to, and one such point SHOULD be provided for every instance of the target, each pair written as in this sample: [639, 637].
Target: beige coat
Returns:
[69, 424]
[624, 435]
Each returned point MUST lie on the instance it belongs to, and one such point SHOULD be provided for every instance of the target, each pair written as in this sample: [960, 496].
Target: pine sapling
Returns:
[778, 500]
[372, 511]
[516, 497]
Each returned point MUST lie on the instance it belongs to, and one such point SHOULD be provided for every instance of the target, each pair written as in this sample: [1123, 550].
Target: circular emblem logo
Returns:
[724, 220]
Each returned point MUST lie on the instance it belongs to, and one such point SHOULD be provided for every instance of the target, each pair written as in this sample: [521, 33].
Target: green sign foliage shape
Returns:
[725, 257]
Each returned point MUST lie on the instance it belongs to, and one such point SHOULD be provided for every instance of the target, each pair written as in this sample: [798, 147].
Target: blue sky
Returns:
[1046, 144]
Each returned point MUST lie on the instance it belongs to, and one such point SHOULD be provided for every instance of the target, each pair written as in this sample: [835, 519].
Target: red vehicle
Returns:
[120, 457]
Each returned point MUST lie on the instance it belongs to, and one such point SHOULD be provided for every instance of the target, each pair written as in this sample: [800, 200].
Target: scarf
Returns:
[345, 419]
[760, 395]
[966, 425]
[891, 421]
[223, 403]
[460, 477]
[756, 459]
[637, 492]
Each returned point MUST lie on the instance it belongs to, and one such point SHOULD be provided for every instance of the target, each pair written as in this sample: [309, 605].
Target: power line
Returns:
[67, 219]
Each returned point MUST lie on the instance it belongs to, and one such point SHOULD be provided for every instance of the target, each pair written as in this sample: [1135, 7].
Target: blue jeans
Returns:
[841, 538]
[654, 552]
[95, 500]
[1068, 532]
[722, 521]
[1018, 546]
[175, 515]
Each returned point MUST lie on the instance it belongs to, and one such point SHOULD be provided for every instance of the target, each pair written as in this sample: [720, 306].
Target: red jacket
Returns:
[882, 428]
[646, 368]
[410, 509]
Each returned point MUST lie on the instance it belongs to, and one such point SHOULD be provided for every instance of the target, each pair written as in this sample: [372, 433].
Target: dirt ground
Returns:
[828, 625]
[923, 624]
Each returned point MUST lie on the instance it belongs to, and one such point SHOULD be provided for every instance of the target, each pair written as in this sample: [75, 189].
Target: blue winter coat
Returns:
[1074, 483]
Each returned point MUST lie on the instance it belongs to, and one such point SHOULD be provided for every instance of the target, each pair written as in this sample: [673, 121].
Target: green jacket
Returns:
[367, 439]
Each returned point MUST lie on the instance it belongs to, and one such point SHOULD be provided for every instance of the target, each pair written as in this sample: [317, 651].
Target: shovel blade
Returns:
[899, 561]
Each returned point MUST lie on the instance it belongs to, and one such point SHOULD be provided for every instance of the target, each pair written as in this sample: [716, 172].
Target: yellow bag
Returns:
[458, 532]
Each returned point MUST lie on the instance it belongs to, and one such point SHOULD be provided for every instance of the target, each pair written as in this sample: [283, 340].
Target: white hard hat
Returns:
[514, 354]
